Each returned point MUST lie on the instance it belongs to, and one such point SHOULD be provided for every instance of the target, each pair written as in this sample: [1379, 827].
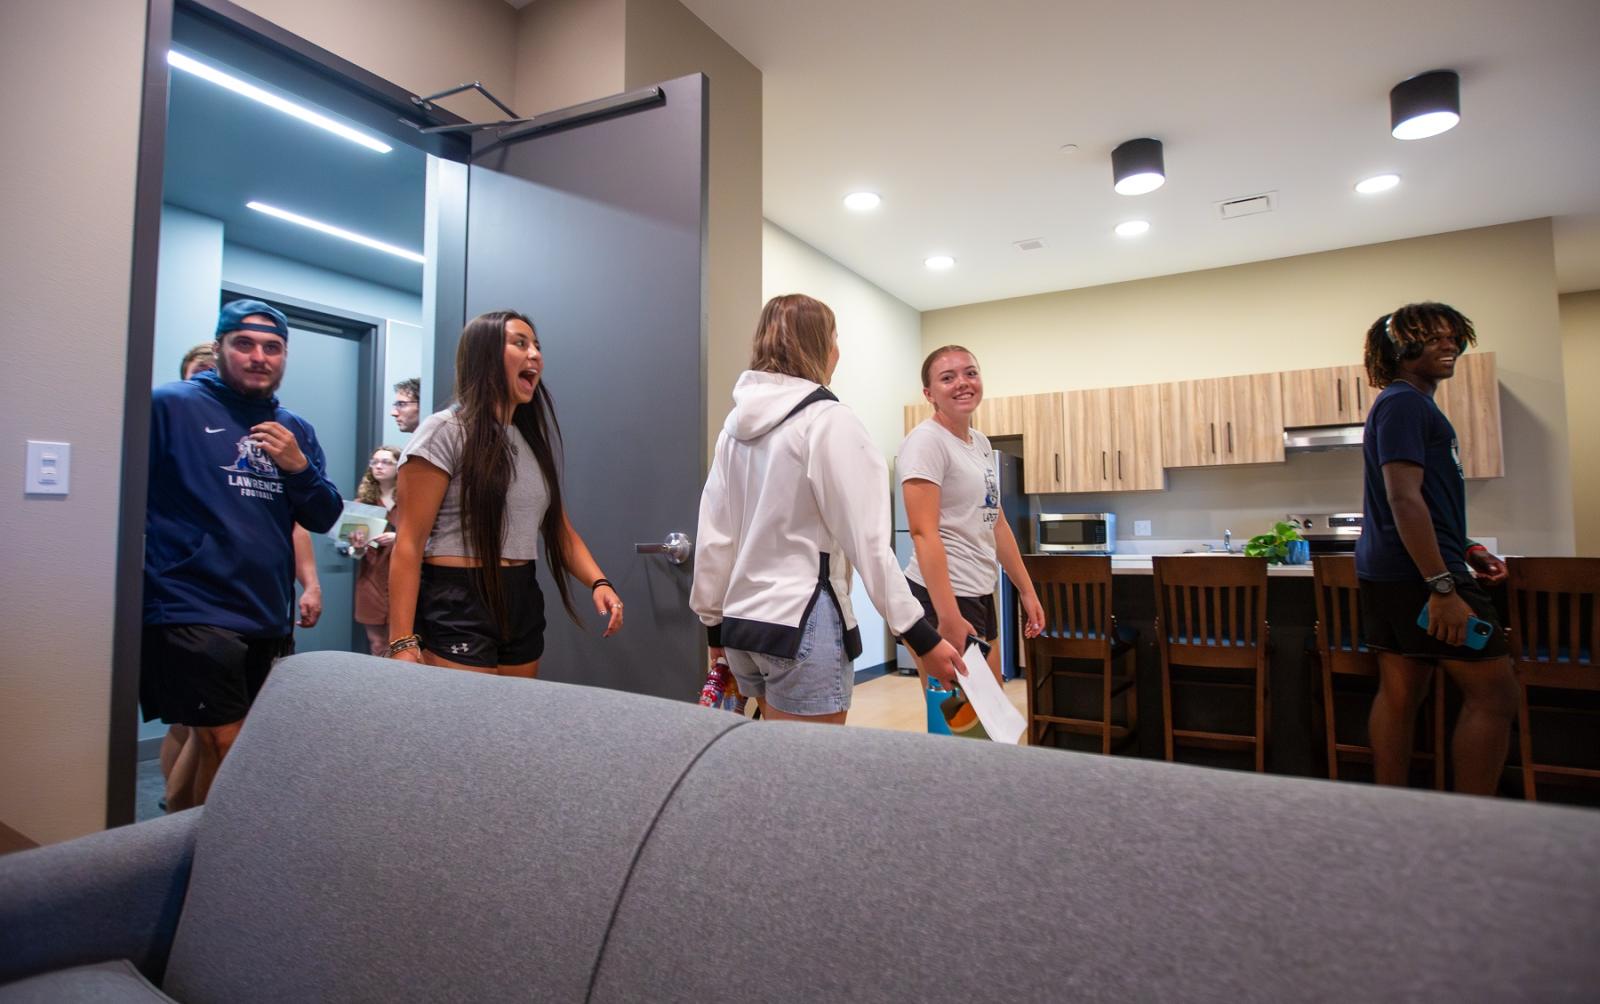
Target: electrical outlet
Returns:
[1141, 528]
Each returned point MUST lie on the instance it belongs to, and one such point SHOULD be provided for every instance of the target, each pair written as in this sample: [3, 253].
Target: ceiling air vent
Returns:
[1250, 205]
[1031, 244]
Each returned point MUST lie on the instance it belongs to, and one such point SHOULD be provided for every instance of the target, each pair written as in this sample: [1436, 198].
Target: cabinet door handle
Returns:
[1102, 465]
[1338, 386]
[1230, 438]
[1213, 428]
[1119, 465]
[1058, 468]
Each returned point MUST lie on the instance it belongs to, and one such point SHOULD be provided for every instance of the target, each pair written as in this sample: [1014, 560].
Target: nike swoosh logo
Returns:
[210, 429]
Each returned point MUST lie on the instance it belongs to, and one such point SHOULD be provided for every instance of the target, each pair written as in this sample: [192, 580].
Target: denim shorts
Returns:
[816, 681]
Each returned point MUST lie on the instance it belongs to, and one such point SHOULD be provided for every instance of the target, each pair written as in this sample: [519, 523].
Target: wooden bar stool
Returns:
[1211, 613]
[1341, 652]
[1555, 642]
[1075, 592]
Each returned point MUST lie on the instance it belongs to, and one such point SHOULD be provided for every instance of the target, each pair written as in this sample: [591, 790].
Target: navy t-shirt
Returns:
[1405, 425]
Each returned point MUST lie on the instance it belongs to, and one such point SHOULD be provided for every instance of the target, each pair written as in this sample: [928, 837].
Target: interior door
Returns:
[597, 232]
[321, 384]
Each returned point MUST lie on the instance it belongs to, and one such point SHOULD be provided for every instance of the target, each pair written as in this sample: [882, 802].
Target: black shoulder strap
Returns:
[820, 394]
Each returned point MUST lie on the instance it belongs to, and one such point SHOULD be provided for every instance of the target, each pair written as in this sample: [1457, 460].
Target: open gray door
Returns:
[597, 232]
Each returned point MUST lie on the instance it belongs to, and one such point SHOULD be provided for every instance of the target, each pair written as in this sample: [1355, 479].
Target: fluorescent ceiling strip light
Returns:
[179, 61]
[330, 229]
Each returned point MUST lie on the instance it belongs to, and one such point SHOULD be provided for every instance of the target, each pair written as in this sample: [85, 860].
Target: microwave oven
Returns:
[1074, 533]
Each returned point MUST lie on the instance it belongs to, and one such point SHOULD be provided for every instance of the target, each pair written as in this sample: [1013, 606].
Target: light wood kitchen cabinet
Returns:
[1000, 416]
[1333, 395]
[1471, 400]
[916, 414]
[1113, 439]
[1136, 412]
[1225, 420]
[1043, 444]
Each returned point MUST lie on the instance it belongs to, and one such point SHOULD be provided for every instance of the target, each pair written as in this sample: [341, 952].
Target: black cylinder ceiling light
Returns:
[1137, 167]
[1425, 105]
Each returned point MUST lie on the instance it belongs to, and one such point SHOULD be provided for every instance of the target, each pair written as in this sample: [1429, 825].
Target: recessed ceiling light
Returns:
[179, 61]
[862, 201]
[333, 231]
[1132, 228]
[1377, 183]
[1138, 166]
[939, 262]
[1426, 105]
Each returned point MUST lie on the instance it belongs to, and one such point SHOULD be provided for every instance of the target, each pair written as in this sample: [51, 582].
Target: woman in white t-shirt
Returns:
[479, 489]
[946, 470]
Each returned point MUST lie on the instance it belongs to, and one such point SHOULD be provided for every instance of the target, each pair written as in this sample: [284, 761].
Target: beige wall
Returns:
[424, 45]
[568, 52]
[64, 266]
[1305, 311]
[1580, 347]
[665, 41]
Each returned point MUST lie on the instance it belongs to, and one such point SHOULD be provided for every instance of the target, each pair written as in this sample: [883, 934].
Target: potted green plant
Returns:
[1277, 545]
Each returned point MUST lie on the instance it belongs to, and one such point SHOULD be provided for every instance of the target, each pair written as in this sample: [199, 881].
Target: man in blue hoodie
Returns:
[231, 473]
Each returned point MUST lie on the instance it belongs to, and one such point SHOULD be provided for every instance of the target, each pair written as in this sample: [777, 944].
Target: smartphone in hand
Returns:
[1478, 631]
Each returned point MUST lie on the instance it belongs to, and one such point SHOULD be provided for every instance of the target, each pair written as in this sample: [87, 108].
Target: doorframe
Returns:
[122, 753]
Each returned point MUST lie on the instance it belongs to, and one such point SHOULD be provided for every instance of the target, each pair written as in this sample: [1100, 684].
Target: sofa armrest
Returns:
[110, 895]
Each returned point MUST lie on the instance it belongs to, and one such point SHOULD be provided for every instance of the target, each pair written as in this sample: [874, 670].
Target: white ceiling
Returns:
[955, 113]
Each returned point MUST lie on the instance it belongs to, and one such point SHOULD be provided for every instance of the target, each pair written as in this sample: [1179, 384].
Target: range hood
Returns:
[1322, 437]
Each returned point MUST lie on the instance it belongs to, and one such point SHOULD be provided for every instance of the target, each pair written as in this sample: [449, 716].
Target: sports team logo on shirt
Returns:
[991, 497]
[253, 472]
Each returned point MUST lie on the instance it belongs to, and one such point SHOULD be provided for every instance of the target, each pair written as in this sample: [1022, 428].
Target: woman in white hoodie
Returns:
[797, 496]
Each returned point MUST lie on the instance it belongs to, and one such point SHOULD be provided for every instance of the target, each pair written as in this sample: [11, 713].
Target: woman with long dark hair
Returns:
[479, 488]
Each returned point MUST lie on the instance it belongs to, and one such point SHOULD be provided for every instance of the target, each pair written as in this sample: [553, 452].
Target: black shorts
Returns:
[1389, 613]
[194, 674]
[978, 610]
[455, 623]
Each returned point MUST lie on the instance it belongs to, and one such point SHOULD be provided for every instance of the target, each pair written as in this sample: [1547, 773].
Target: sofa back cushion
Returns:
[802, 862]
[383, 831]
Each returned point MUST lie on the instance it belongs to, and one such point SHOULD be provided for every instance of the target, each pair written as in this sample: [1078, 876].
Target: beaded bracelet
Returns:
[404, 642]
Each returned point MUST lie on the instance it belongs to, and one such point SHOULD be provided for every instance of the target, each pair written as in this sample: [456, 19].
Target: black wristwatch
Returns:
[1444, 583]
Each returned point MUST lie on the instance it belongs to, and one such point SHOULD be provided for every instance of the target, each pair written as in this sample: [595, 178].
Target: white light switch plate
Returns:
[1141, 528]
[49, 468]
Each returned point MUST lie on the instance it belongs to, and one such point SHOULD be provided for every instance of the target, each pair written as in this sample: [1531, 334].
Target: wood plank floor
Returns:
[895, 703]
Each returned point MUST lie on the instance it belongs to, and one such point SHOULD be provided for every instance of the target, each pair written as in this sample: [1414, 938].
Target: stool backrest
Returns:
[1214, 602]
[1338, 595]
[1555, 610]
[1075, 591]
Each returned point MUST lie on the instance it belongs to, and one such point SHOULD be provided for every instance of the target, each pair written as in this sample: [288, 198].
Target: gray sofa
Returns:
[384, 832]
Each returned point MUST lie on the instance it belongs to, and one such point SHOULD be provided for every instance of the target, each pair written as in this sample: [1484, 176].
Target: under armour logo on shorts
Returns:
[460, 648]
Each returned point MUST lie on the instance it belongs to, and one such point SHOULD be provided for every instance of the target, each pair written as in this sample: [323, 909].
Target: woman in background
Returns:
[479, 487]
[372, 575]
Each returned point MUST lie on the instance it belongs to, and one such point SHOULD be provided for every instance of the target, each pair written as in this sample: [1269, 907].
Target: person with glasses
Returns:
[1414, 555]
[407, 407]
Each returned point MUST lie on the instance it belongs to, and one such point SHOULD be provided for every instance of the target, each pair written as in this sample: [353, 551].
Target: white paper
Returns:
[363, 521]
[999, 716]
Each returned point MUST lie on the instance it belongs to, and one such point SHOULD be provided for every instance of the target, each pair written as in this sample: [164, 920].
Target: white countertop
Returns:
[1139, 564]
[1132, 557]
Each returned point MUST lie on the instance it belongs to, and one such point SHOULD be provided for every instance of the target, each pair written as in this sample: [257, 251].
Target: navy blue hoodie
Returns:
[218, 545]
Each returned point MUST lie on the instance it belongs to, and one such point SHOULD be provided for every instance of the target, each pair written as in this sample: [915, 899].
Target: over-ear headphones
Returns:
[1402, 350]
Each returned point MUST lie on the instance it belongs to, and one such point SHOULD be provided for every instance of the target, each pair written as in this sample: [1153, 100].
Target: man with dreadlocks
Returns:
[1414, 554]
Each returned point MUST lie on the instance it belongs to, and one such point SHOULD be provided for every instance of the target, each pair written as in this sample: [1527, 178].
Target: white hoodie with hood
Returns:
[797, 495]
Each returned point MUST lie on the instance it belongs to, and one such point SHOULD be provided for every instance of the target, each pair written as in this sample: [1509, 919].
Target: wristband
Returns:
[602, 581]
[1477, 547]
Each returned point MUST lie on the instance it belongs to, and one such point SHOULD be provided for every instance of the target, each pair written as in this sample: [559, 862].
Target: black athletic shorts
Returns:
[194, 674]
[978, 610]
[1389, 613]
[455, 623]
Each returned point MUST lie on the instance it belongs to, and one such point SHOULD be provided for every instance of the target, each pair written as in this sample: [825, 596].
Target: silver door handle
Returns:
[677, 547]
